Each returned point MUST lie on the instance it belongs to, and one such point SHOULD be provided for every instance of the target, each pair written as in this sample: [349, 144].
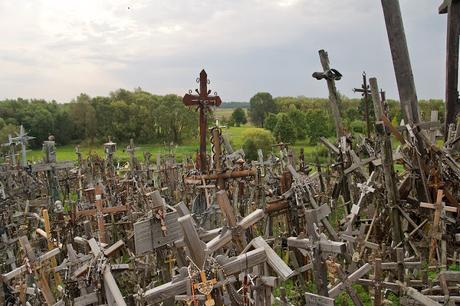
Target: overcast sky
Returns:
[56, 49]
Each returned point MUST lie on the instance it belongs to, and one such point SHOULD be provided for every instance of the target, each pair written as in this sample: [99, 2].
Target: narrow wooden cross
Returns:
[365, 91]
[203, 101]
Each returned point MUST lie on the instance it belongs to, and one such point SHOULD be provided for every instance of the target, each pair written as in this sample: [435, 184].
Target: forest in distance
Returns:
[152, 119]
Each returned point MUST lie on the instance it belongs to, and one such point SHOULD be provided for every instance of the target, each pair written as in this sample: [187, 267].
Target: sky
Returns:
[55, 49]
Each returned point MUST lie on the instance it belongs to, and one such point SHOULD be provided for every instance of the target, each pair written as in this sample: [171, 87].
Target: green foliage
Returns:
[298, 118]
[259, 105]
[239, 116]
[123, 115]
[270, 122]
[318, 125]
[256, 139]
[285, 130]
[358, 126]
[8, 129]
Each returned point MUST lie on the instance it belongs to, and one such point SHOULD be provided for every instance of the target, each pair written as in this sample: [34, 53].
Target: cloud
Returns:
[57, 49]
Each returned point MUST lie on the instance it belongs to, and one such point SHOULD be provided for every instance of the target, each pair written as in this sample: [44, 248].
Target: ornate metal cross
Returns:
[203, 101]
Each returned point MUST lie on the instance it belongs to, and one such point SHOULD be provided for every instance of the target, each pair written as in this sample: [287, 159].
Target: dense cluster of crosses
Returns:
[221, 230]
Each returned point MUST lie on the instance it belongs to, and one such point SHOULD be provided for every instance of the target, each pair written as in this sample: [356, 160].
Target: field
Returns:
[235, 134]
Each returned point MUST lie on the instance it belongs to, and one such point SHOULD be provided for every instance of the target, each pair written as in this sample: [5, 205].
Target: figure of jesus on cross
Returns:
[203, 101]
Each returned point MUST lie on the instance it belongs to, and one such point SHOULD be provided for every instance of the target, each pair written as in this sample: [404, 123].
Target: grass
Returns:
[234, 134]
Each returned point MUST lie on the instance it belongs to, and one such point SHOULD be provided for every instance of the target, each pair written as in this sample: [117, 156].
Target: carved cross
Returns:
[202, 101]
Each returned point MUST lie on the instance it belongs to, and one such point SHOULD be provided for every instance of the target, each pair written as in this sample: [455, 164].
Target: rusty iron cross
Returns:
[203, 101]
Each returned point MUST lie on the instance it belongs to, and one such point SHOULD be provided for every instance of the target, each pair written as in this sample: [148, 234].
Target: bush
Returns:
[285, 130]
[270, 122]
[257, 139]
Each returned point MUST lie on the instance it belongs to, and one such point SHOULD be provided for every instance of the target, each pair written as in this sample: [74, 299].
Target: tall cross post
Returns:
[452, 9]
[203, 101]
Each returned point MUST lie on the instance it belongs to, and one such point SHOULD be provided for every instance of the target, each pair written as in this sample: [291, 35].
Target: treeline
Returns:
[299, 118]
[122, 115]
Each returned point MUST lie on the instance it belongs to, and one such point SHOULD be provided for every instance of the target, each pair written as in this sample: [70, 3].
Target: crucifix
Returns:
[203, 101]
[365, 91]
[452, 9]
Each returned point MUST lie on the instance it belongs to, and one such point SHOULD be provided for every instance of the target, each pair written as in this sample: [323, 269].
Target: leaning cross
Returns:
[203, 101]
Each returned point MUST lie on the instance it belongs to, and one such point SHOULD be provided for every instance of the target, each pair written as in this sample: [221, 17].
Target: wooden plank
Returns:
[318, 300]
[195, 246]
[244, 261]
[277, 264]
[111, 285]
[335, 291]
[87, 299]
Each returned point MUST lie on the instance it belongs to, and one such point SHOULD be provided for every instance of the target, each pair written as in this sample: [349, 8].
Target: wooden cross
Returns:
[197, 251]
[203, 101]
[331, 75]
[365, 91]
[99, 212]
[34, 265]
[452, 9]
[113, 294]
[387, 162]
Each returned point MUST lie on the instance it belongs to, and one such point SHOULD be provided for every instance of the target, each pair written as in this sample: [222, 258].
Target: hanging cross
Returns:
[365, 91]
[203, 101]
[452, 9]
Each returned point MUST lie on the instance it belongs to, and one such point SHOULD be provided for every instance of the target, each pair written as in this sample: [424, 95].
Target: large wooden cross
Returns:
[203, 101]
[452, 9]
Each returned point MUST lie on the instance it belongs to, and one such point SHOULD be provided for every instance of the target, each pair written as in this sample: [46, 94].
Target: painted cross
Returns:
[202, 101]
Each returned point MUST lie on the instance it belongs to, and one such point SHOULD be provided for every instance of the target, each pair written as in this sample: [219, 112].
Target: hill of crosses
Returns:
[218, 228]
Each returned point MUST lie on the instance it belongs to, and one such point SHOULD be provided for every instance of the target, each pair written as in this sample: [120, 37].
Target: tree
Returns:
[318, 124]
[256, 139]
[239, 116]
[298, 119]
[259, 105]
[285, 130]
[270, 121]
